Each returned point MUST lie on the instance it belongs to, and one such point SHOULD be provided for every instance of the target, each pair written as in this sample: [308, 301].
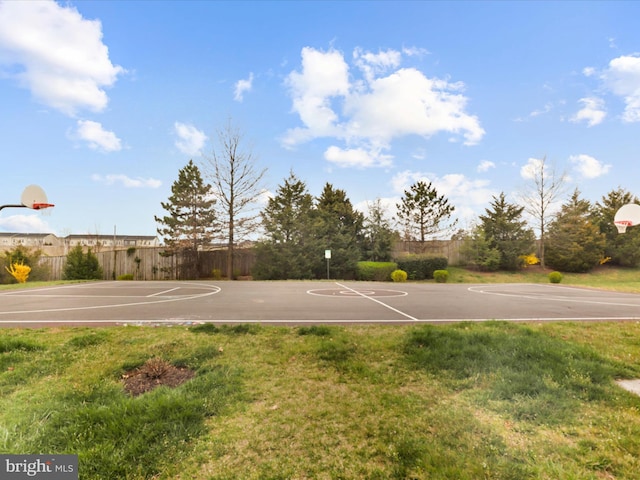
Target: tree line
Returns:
[296, 228]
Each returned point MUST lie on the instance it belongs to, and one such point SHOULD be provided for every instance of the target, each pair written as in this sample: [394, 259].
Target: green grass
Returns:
[28, 284]
[605, 277]
[466, 401]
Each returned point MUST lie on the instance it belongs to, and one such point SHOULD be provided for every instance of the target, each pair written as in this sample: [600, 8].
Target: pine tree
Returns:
[290, 246]
[339, 226]
[191, 220]
[378, 234]
[422, 212]
[574, 241]
[476, 251]
[507, 232]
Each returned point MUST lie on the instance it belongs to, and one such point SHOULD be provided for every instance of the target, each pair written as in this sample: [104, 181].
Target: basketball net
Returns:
[622, 225]
[43, 209]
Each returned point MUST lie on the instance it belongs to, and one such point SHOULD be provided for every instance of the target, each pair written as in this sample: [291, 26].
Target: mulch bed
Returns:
[153, 374]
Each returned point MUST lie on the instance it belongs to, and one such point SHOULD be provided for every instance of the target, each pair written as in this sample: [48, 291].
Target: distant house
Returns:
[109, 241]
[53, 245]
[9, 241]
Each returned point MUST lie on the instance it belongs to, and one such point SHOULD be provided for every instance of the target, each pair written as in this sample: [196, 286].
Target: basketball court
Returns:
[306, 302]
[311, 302]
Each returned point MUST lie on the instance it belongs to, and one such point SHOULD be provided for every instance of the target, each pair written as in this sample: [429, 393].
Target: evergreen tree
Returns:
[191, 220]
[422, 211]
[81, 266]
[507, 232]
[290, 246]
[378, 234]
[574, 241]
[622, 249]
[476, 251]
[339, 227]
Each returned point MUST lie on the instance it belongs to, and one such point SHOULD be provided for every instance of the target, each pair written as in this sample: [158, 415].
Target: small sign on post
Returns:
[327, 255]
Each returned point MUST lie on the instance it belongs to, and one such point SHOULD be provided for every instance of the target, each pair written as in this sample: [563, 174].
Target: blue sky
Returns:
[101, 103]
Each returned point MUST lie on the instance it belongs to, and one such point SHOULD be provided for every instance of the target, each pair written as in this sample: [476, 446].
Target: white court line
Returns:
[214, 290]
[377, 301]
[556, 298]
[162, 293]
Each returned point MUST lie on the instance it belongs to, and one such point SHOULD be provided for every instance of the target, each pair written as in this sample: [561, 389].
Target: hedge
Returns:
[375, 271]
[421, 267]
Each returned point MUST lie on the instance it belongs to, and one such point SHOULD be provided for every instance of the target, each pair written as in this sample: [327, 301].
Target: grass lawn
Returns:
[467, 401]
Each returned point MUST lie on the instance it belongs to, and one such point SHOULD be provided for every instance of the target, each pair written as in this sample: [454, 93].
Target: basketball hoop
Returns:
[622, 225]
[32, 197]
[627, 216]
[40, 206]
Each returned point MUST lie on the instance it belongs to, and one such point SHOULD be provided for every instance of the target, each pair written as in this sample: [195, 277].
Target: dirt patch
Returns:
[155, 373]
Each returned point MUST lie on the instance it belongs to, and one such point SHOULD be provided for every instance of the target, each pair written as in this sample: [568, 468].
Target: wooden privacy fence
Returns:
[156, 263]
[159, 264]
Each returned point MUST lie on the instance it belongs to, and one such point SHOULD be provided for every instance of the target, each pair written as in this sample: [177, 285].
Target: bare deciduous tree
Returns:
[237, 185]
[538, 197]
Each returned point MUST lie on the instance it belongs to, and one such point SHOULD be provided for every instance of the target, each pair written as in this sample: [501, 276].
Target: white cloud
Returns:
[241, 87]
[97, 137]
[190, 140]
[373, 64]
[588, 166]
[408, 103]
[592, 111]
[547, 108]
[623, 78]
[24, 224]
[485, 166]
[415, 51]
[387, 205]
[56, 54]
[126, 181]
[531, 168]
[356, 157]
[323, 76]
[368, 113]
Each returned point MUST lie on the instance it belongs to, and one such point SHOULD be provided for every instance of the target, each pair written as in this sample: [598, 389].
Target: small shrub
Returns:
[530, 259]
[441, 276]
[19, 271]
[399, 276]
[22, 255]
[81, 266]
[126, 276]
[555, 277]
[216, 274]
[155, 367]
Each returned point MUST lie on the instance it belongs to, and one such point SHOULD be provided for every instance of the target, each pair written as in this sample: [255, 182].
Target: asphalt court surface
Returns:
[300, 302]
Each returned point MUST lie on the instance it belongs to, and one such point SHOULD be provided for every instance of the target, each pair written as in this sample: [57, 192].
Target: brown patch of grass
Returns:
[154, 373]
